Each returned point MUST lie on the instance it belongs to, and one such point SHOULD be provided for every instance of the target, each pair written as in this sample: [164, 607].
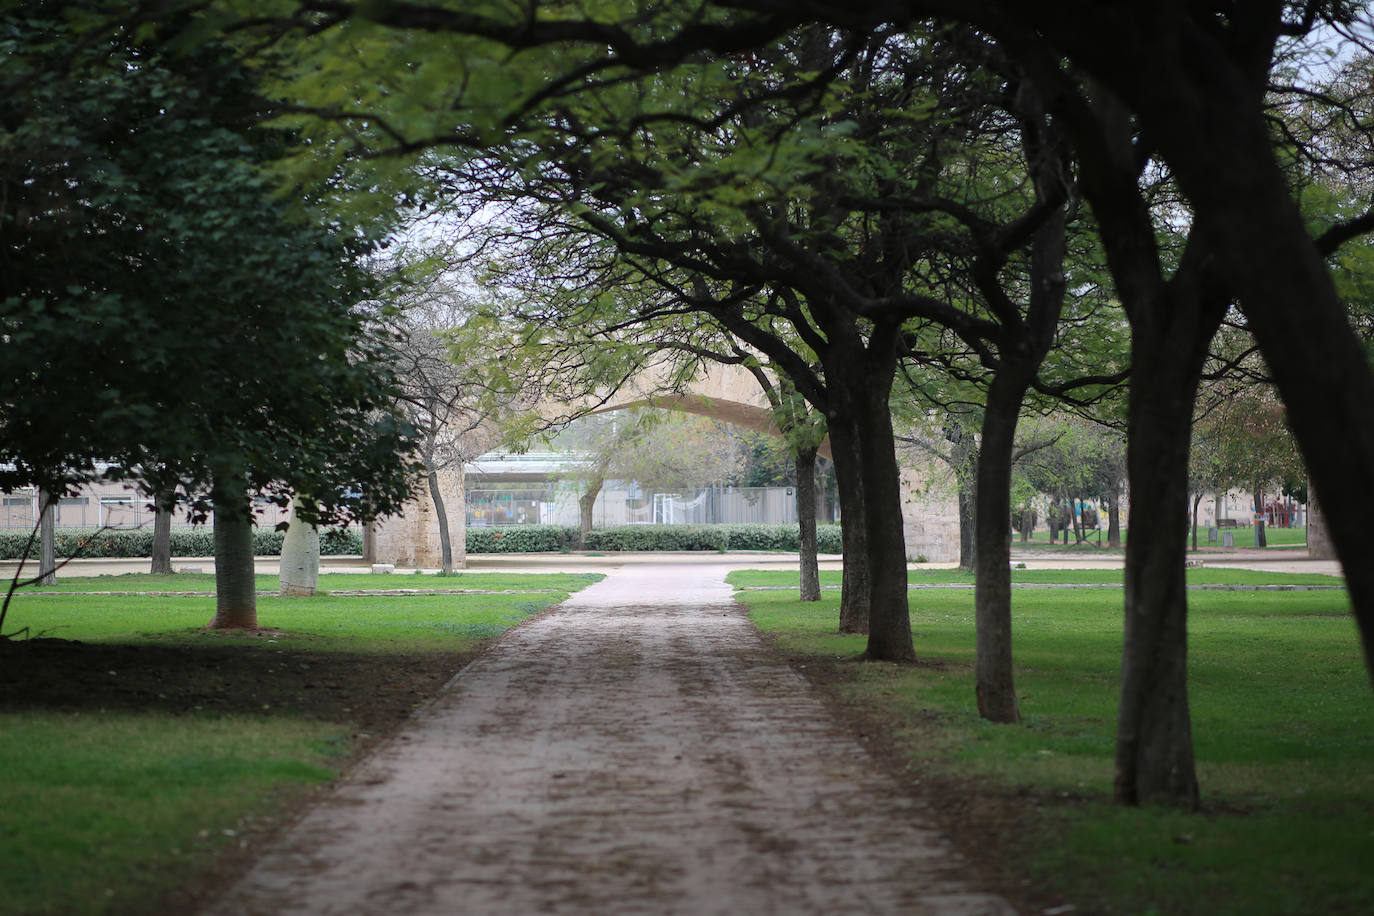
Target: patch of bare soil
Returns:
[221, 673]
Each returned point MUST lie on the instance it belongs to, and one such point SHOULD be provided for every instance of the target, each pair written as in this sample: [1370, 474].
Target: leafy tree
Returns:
[1245, 441]
[658, 450]
[439, 388]
[1081, 461]
[1115, 76]
[803, 430]
[137, 225]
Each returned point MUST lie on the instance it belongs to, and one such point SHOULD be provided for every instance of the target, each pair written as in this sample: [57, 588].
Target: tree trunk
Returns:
[1154, 751]
[1170, 337]
[889, 616]
[805, 459]
[299, 569]
[855, 587]
[370, 542]
[1217, 142]
[1197, 500]
[236, 600]
[1021, 352]
[441, 516]
[47, 538]
[1258, 497]
[964, 453]
[968, 526]
[996, 690]
[585, 504]
[1114, 518]
[161, 559]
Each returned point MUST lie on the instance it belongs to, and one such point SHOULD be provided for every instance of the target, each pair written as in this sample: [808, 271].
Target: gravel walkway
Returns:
[638, 750]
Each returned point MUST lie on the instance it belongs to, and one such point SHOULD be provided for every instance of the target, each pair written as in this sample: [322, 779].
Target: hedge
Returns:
[521, 539]
[546, 538]
[198, 541]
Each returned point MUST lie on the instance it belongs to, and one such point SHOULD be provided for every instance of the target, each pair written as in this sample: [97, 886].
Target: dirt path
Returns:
[640, 749]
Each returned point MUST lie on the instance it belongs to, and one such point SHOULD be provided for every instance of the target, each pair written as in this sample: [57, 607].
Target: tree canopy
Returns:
[165, 308]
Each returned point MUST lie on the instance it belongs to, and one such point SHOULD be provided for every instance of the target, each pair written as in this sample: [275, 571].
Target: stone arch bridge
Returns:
[727, 393]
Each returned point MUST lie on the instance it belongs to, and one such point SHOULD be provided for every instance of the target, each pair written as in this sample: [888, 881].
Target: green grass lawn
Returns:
[771, 578]
[111, 800]
[104, 812]
[321, 624]
[1282, 722]
[205, 582]
[1244, 537]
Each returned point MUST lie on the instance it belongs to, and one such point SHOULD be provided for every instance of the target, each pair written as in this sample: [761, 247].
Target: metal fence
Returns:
[93, 510]
[628, 505]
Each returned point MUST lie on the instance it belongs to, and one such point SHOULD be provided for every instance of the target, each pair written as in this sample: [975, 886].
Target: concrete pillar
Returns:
[930, 514]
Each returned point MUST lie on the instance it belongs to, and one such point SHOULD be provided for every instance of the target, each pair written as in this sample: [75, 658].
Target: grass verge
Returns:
[1281, 718]
[144, 760]
[205, 582]
[1210, 575]
[1097, 540]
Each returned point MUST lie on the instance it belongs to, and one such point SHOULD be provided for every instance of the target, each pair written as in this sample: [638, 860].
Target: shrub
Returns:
[522, 539]
[198, 541]
[549, 538]
[346, 542]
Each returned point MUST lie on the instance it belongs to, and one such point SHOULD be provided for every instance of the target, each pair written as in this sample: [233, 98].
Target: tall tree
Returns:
[137, 222]
[437, 393]
[1185, 83]
[658, 450]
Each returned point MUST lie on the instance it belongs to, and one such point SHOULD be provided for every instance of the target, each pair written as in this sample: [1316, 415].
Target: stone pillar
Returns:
[930, 514]
[1319, 546]
[411, 539]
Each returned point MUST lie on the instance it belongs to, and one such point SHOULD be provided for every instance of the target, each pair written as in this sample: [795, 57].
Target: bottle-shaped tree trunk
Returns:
[299, 570]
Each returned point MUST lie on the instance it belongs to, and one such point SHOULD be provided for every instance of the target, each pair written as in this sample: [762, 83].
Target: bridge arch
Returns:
[727, 393]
